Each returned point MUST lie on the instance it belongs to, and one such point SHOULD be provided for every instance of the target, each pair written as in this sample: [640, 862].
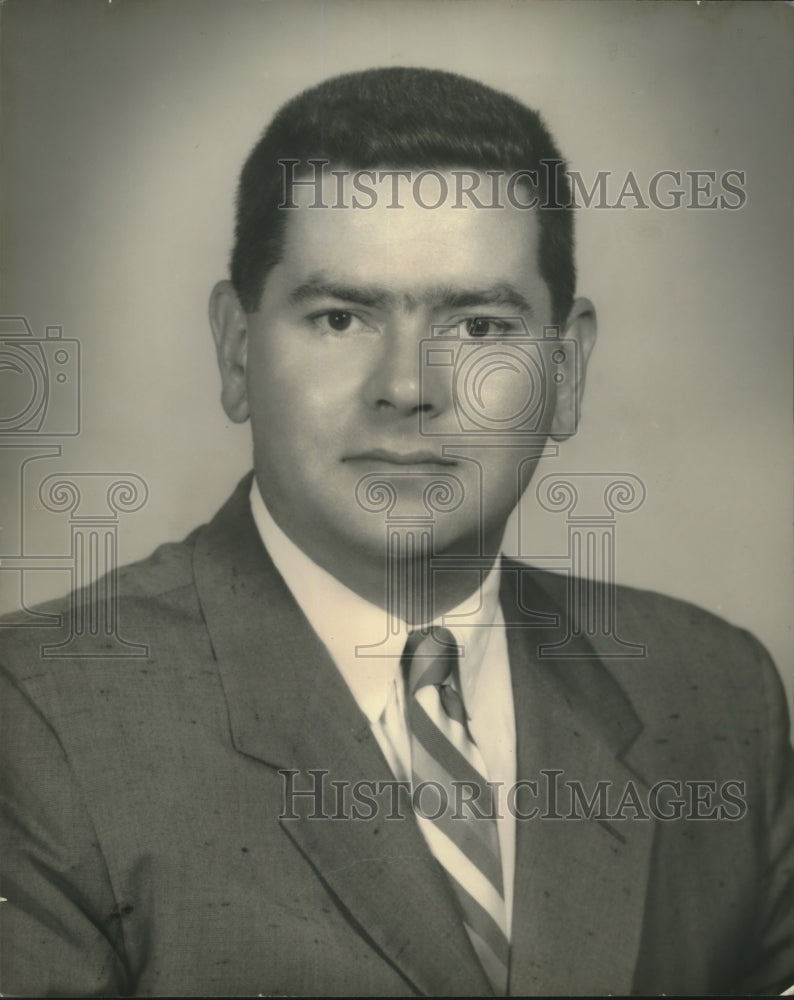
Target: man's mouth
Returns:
[387, 457]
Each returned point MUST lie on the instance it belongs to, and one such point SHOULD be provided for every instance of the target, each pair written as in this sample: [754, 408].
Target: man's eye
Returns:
[337, 321]
[483, 326]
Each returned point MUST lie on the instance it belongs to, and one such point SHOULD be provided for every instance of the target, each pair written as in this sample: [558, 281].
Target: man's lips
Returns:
[399, 457]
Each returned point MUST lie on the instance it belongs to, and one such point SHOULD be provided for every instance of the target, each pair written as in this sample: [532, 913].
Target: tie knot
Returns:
[430, 657]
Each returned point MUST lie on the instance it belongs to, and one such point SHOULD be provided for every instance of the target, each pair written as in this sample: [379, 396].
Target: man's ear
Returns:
[230, 331]
[580, 328]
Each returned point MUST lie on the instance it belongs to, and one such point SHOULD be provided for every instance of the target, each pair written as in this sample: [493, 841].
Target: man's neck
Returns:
[410, 587]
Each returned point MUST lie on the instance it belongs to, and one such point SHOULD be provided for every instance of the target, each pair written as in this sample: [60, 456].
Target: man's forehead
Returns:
[444, 239]
[464, 189]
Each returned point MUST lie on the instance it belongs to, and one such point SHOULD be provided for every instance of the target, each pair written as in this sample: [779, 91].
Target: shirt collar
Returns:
[363, 644]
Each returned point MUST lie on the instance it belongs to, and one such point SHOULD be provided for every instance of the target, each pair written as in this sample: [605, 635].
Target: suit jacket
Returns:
[148, 850]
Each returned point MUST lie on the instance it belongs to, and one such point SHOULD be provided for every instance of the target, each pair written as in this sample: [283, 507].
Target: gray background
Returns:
[125, 124]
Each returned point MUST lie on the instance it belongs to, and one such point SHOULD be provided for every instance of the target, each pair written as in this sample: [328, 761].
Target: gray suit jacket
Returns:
[144, 850]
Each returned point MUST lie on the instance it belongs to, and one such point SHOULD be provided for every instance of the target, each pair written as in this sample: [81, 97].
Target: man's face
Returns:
[342, 395]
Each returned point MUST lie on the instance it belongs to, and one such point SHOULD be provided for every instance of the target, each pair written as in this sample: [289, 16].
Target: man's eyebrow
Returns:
[439, 297]
[500, 294]
[318, 287]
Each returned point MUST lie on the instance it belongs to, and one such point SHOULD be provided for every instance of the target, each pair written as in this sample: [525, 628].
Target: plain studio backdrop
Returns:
[125, 125]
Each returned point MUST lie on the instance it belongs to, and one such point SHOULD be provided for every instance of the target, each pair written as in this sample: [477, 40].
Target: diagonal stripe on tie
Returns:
[466, 872]
[496, 969]
[490, 932]
[476, 839]
[440, 747]
[448, 757]
[465, 842]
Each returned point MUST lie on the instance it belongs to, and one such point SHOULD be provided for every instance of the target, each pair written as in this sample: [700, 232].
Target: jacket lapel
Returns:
[580, 883]
[290, 708]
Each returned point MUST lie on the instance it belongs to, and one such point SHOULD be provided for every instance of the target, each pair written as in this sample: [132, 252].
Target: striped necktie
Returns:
[447, 773]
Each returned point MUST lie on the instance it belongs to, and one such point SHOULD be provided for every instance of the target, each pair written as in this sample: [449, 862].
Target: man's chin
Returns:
[416, 538]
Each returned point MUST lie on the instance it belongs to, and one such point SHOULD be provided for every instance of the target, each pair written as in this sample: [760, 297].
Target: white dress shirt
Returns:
[367, 653]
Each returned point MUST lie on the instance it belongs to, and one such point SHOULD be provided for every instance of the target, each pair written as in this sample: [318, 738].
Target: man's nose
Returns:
[400, 381]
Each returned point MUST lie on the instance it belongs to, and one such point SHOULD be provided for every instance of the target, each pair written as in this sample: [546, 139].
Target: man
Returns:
[354, 760]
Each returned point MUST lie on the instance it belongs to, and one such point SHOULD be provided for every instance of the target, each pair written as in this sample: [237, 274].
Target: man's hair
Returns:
[401, 118]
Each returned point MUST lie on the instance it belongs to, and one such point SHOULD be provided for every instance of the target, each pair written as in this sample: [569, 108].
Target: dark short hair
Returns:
[400, 117]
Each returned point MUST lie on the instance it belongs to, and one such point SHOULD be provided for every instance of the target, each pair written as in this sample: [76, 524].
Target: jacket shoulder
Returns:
[140, 596]
[656, 615]
[674, 650]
